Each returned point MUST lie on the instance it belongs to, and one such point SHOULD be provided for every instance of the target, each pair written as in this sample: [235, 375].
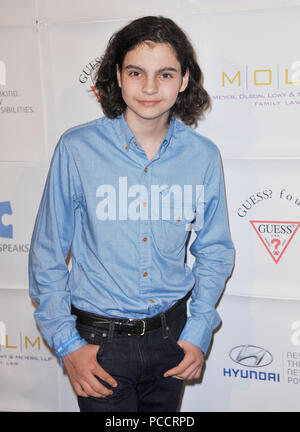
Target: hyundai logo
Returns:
[251, 356]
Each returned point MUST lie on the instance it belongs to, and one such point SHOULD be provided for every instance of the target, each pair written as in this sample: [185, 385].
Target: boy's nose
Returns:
[150, 86]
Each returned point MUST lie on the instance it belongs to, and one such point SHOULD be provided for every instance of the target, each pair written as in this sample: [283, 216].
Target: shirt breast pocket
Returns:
[171, 230]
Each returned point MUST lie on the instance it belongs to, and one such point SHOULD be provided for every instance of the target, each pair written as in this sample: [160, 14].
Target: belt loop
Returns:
[111, 331]
[165, 328]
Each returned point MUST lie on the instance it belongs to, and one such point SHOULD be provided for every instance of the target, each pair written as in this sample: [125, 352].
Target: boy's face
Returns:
[151, 79]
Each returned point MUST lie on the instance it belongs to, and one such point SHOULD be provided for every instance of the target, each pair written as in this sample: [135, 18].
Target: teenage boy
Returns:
[122, 193]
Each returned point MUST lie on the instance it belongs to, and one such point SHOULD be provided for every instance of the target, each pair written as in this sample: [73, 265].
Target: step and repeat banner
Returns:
[249, 54]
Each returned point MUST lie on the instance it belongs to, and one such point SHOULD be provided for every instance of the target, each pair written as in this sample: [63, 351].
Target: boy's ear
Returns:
[185, 81]
[118, 76]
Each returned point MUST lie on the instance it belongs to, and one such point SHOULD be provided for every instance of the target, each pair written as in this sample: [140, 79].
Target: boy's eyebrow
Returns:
[166, 68]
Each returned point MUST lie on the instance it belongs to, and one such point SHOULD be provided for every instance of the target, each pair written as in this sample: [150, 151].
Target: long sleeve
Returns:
[50, 244]
[214, 259]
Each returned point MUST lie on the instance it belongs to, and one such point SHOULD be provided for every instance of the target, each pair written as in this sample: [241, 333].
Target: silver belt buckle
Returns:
[144, 326]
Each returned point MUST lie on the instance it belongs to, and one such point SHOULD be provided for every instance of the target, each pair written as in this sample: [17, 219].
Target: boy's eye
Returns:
[166, 75]
[134, 73]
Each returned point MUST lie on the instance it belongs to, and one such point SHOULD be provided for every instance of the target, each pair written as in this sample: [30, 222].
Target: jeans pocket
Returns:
[173, 343]
[86, 332]
[100, 351]
[92, 336]
[173, 332]
[175, 328]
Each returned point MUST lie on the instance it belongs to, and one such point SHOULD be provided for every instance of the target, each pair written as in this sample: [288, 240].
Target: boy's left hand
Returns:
[191, 365]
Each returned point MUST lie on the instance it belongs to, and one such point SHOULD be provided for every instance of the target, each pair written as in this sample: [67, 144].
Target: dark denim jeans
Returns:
[138, 363]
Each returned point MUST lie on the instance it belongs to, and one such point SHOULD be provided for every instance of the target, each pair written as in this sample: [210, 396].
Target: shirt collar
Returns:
[129, 135]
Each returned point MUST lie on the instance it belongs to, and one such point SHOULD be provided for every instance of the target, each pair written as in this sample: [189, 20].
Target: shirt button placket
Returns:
[145, 244]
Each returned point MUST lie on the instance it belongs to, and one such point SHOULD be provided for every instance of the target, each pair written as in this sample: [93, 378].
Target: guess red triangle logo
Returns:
[275, 235]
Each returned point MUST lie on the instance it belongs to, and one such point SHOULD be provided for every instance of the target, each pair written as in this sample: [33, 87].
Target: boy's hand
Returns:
[82, 368]
[191, 365]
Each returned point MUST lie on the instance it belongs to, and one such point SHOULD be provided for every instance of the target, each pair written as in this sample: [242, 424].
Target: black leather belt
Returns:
[128, 325]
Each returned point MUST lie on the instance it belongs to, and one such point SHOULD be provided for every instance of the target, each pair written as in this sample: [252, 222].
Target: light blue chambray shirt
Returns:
[105, 201]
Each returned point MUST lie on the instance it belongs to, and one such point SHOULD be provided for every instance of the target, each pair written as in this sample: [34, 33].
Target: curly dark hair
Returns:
[190, 104]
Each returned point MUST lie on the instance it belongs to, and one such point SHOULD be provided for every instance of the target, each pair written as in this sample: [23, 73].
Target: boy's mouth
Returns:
[148, 103]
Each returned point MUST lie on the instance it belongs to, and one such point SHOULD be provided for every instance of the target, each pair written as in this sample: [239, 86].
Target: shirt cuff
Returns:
[69, 345]
[198, 333]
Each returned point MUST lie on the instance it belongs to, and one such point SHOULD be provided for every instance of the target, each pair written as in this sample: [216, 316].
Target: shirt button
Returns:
[146, 169]
[135, 143]
[145, 274]
[144, 239]
[126, 148]
[151, 301]
[144, 204]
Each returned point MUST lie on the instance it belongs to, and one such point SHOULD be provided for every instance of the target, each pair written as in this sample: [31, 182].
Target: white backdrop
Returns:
[249, 54]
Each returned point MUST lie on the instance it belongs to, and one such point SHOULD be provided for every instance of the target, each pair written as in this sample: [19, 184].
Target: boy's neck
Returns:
[149, 133]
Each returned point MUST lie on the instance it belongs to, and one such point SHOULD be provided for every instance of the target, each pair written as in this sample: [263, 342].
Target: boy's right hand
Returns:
[82, 368]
